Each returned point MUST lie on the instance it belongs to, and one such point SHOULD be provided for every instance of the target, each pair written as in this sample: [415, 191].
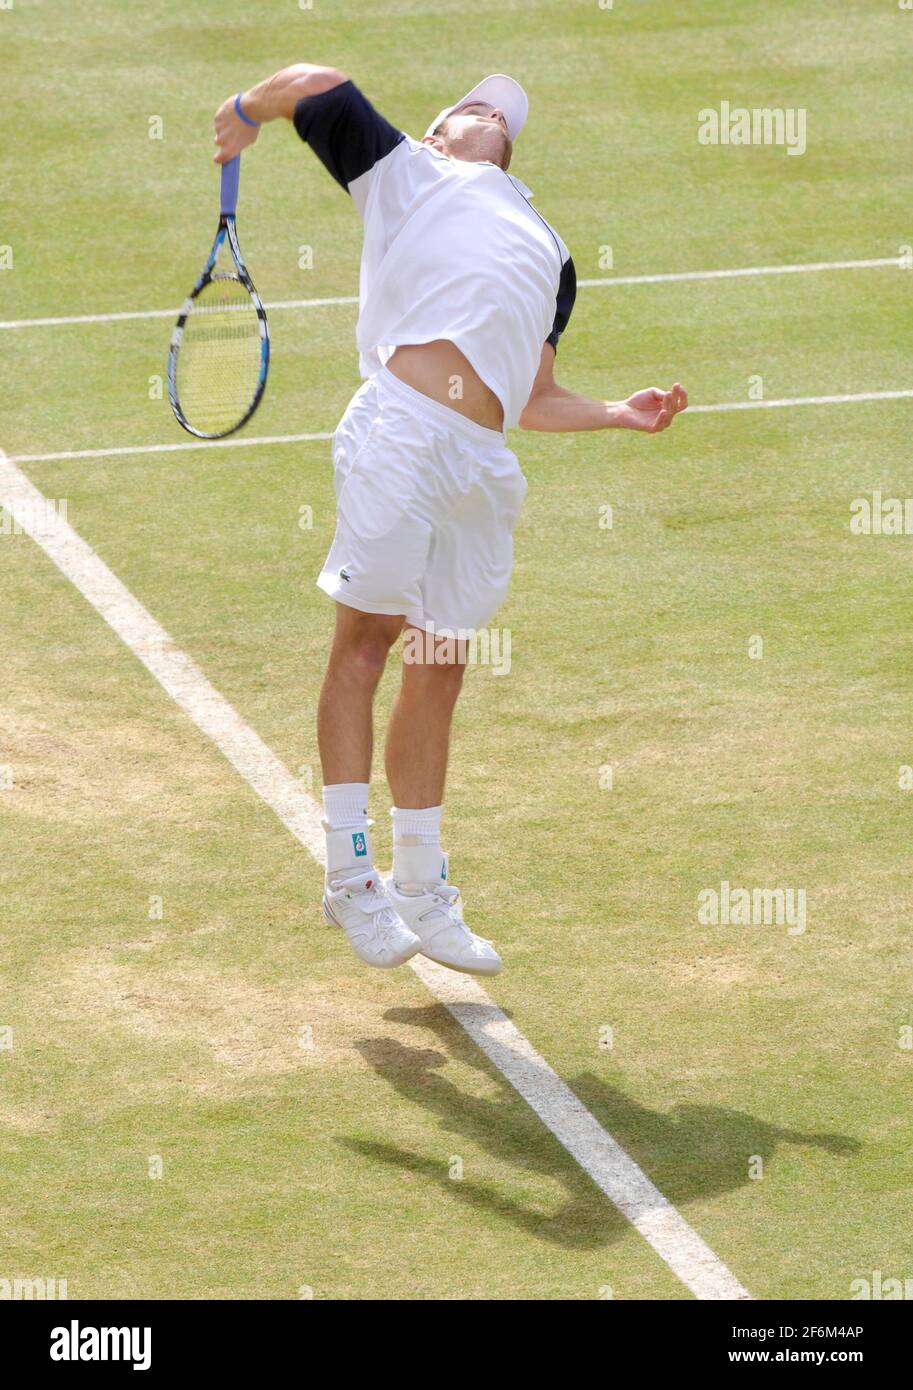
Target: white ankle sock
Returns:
[417, 854]
[345, 805]
[423, 826]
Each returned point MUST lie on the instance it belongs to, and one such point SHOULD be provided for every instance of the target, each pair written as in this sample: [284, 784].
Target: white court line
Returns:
[307, 438]
[610, 1167]
[801, 400]
[807, 268]
[234, 443]
[161, 313]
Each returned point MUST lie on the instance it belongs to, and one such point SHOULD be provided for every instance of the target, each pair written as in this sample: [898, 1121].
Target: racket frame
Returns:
[226, 232]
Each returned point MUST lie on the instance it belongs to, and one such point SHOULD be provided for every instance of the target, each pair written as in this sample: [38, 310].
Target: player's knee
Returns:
[365, 659]
[450, 681]
[371, 658]
[439, 678]
[451, 674]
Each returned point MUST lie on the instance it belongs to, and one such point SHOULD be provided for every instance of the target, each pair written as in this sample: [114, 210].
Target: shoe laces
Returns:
[372, 901]
[448, 896]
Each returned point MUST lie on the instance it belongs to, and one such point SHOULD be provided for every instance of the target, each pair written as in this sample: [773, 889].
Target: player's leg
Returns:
[375, 563]
[354, 897]
[425, 506]
[418, 735]
[464, 584]
[418, 742]
[358, 656]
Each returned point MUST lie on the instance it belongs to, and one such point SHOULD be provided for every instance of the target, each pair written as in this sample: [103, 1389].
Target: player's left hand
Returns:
[651, 410]
[232, 135]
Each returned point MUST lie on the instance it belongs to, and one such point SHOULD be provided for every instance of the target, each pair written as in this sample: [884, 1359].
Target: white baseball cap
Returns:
[500, 91]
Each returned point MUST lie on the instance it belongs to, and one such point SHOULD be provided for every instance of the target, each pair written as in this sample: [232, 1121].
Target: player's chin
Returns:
[497, 149]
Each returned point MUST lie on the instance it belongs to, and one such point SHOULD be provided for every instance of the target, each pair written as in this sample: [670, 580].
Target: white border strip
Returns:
[801, 400]
[123, 317]
[809, 267]
[240, 442]
[257, 440]
[806, 269]
[610, 1167]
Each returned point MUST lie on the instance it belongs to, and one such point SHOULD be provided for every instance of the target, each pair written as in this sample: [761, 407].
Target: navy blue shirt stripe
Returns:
[564, 303]
[345, 132]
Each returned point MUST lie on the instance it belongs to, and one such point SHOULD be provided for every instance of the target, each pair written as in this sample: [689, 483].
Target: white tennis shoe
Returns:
[354, 899]
[432, 912]
[362, 908]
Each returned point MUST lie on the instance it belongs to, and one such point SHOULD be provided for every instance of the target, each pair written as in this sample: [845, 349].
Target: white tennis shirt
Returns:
[452, 249]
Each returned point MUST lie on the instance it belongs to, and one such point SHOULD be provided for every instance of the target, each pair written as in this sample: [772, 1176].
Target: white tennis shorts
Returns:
[426, 505]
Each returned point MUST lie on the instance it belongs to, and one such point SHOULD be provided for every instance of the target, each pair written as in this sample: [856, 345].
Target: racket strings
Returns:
[218, 366]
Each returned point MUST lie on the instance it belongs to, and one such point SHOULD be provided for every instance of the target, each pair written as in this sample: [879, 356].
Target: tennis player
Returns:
[465, 292]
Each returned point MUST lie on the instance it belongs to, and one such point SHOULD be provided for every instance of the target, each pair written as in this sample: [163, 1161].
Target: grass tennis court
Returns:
[172, 991]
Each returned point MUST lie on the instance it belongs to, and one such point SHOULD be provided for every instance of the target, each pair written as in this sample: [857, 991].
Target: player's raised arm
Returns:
[553, 408]
[238, 120]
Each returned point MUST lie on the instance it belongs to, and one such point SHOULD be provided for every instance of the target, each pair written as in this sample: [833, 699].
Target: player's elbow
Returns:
[315, 80]
[303, 80]
[531, 416]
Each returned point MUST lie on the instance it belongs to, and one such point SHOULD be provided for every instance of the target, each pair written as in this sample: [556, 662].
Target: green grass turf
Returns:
[329, 1168]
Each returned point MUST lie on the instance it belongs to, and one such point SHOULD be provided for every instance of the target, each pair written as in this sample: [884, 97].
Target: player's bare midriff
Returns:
[441, 371]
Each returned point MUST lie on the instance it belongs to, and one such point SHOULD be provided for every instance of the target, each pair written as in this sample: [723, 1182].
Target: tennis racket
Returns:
[219, 354]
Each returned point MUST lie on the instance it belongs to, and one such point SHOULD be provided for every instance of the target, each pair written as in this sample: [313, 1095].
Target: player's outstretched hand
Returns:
[652, 410]
[232, 134]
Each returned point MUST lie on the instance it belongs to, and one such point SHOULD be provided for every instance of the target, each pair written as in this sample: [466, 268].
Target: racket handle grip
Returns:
[230, 175]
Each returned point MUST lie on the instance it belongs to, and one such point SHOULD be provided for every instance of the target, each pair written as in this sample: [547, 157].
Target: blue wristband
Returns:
[246, 119]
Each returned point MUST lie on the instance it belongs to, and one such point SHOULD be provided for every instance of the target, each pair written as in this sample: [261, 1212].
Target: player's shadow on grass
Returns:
[692, 1151]
[696, 1150]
